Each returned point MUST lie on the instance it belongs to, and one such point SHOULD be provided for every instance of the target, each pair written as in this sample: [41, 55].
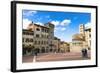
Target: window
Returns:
[38, 42]
[23, 39]
[31, 33]
[47, 47]
[31, 40]
[42, 29]
[47, 36]
[42, 35]
[23, 32]
[28, 33]
[51, 42]
[37, 35]
[41, 42]
[23, 45]
[44, 42]
[35, 42]
[37, 29]
[74, 44]
[89, 35]
[47, 30]
[47, 42]
[27, 40]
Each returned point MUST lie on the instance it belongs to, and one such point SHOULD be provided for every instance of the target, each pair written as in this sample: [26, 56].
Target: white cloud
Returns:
[56, 29]
[62, 23]
[62, 29]
[88, 25]
[55, 22]
[65, 22]
[29, 13]
[26, 22]
[39, 23]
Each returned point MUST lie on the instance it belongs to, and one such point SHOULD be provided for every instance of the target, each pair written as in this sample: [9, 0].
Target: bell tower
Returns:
[81, 29]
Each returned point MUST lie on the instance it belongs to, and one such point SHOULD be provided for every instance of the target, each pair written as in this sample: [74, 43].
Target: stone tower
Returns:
[51, 30]
[51, 35]
[81, 29]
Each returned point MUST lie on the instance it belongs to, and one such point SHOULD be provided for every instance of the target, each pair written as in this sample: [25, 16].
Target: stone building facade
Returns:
[81, 40]
[64, 47]
[43, 38]
[27, 41]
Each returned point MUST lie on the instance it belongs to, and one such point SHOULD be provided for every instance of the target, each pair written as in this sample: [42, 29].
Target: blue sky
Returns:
[66, 23]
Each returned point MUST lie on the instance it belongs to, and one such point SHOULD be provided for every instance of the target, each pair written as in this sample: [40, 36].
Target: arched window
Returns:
[37, 29]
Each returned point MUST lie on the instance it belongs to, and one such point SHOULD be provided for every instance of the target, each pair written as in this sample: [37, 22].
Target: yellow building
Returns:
[81, 40]
[88, 37]
[56, 43]
[77, 42]
[27, 44]
[43, 37]
[64, 47]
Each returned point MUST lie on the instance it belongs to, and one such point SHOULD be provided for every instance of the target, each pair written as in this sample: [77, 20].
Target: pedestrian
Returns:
[36, 53]
[85, 53]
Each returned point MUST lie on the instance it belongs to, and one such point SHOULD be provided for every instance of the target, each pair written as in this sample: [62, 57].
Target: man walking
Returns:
[84, 53]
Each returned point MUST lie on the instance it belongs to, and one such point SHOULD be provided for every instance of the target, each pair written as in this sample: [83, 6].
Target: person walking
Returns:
[84, 53]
